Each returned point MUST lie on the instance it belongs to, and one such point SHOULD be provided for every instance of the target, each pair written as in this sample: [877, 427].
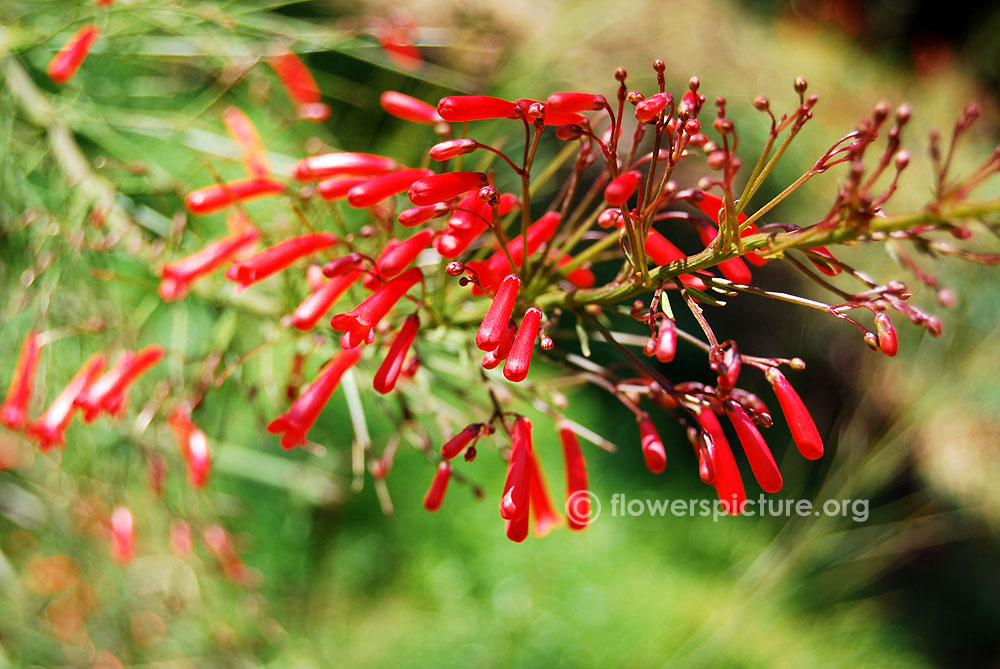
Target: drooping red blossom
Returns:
[397, 256]
[295, 77]
[887, 342]
[14, 411]
[577, 499]
[652, 446]
[517, 489]
[581, 277]
[494, 324]
[388, 371]
[450, 148]
[107, 393]
[299, 418]
[342, 164]
[663, 252]
[491, 270]
[219, 196]
[727, 481]
[542, 511]
[493, 358]
[666, 340]
[572, 103]
[307, 314]
[273, 259]
[64, 64]
[457, 444]
[517, 528]
[336, 189]
[650, 108]
[441, 187]
[418, 215]
[397, 41]
[193, 444]
[358, 324]
[439, 486]
[469, 220]
[733, 269]
[342, 265]
[621, 188]
[242, 130]
[177, 276]
[800, 423]
[122, 535]
[458, 108]
[765, 470]
[409, 108]
[50, 429]
[385, 186]
[519, 358]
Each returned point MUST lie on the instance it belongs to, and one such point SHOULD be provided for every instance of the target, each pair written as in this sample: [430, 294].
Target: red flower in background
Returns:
[50, 428]
[14, 410]
[64, 65]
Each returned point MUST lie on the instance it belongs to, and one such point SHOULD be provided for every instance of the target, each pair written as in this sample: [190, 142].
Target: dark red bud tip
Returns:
[569, 132]
[652, 446]
[800, 423]
[621, 188]
[441, 187]
[886, 334]
[476, 108]
[435, 494]
[448, 149]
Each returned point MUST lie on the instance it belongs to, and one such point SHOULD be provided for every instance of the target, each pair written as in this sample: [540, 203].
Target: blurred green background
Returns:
[336, 581]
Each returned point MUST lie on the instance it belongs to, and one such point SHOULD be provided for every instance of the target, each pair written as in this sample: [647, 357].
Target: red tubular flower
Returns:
[276, 258]
[122, 535]
[494, 324]
[314, 112]
[500, 353]
[663, 252]
[571, 103]
[359, 324]
[379, 188]
[397, 257]
[177, 276]
[243, 132]
[107, 393]
[388, 371]
[337, 188]
[493, 268]
[727, 481]
[758, 454]
[517, 529]
[886, 334]
[50, 429]
[14, 411]
[409, 108]
[342, 164]
[457, 444]
[439, 486]
[733, 269]
[652, 446]
[64, 64]
[650, 108]
[800, 423]
[193, 444]
[475, 108]
[519, 358]
[308, 313]
[299, 418]
[215, 198]
[581, 277]
[450, 148]
[621, 188]
[418, 215]
[516, 489]
[441, 187]
[295, 77]
[395, 39]
[666, 341]
[544, 514]
[577, 497]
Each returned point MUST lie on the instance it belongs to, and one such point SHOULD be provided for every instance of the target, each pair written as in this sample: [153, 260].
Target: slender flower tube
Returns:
[299, 418]
[494, 324]
[758, 454]
[475, 108]
[177, 276]
[441, 187]
[295, 77]
[577, 499]
[519, 358]
[388, 371]
[517, 528]
[336, 189]
[307, 314]
[50, 429]
[887, 342]
[493, 268]
[107, 393]
[439, 486]
[663, 252]
[193, 444]
[542, 511]
[581, 277]
[733, 269]
[341, 266]
[276, 258]
[358, 324]
[728, 483]
[342, 164]
[409, 108]
[800, 423]
[457, 444]
[451, 148]
[666, 341]
[493, 358]
[242, 130]
[621, 188]
[14, 411]
[652, 446]
[379, 188]
[64, 64]
[215, 198]
[418, 215]
[571, 103]
[397, 257]
[516, 489]
[122, 535]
